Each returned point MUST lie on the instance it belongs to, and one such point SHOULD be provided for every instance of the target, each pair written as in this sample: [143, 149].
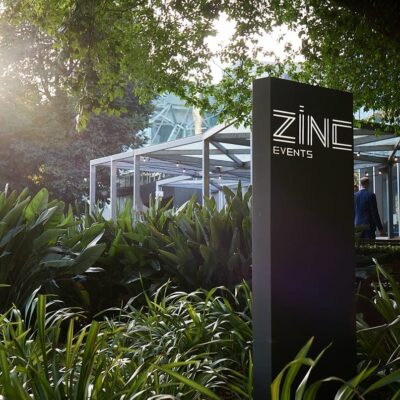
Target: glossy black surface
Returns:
[303, 272]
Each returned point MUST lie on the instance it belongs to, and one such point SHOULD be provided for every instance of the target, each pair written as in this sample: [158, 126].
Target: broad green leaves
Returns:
[37, 204]
[32, 251]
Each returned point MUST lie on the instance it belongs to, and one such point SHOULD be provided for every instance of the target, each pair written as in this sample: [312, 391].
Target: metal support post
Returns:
[206, 168]
[92, 188]
[378, 190]
[113, 190]
[137, 203]
[374, 173]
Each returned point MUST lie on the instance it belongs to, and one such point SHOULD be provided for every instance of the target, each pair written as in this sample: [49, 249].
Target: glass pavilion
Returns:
[203, 163]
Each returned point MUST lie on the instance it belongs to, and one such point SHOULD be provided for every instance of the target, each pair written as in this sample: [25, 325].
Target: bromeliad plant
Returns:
[35, 248]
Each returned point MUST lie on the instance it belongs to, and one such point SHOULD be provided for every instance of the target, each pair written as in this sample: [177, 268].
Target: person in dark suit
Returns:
[366, 211]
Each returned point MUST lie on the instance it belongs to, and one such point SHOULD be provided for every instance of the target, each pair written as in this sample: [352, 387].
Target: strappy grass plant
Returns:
[179, 346]
[186, 346]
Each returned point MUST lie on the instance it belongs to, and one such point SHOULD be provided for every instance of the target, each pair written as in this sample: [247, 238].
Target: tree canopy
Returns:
[347, 47]
[162, 46]
[157, 45]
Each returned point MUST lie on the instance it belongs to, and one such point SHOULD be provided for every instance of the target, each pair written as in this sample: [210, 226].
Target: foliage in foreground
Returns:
[194, 246]
[381, 344]
[96, 264]
[34, 248]
[179, 346]
[186, 346]
[367, 381]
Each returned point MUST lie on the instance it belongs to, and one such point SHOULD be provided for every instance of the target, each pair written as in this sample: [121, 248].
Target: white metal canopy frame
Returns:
[220, 157]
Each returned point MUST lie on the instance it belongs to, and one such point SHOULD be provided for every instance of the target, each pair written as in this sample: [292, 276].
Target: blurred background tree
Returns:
[40, 145]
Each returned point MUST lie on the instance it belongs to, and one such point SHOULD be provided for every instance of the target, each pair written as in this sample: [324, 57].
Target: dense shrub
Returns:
[95, 264]
[36, 245]
[194, 246]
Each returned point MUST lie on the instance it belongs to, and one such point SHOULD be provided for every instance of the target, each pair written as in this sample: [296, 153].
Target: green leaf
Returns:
[385, 381]
[189, 382]
[48, 238]
[86, 259]
[37, 204]
[294, 369]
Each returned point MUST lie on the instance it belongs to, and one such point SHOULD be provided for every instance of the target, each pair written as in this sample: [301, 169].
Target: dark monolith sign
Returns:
[303, 254]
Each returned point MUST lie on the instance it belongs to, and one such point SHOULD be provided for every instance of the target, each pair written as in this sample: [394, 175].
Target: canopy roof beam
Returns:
[197, 152]
[205, 170]
[194, 161]
[228, 153]
[371, 158]
[371, 139]
[393, 155]
[378, 147]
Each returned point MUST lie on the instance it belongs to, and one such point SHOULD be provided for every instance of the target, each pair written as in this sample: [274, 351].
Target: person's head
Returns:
[355, 188]
[364, 182]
